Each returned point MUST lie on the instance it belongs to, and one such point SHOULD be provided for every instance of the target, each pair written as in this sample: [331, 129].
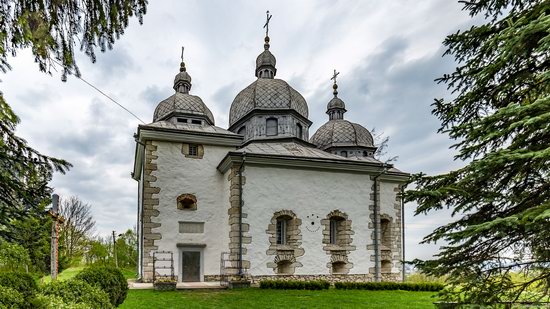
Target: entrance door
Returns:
[191, 266]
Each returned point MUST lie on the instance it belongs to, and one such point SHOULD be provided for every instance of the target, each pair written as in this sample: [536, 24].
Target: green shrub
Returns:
[56, 302]
[109, 279]
[295, 284]
[11, 298]
[426, 286]
[21, 282]
[77, 292]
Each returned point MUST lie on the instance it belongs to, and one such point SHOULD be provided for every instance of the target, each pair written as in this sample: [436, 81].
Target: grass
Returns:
[73, 271]
[258, 298]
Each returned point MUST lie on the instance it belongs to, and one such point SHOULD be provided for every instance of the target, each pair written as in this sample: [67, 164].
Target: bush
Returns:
[21, 282]
[77, 292]
[109, 279]
[13, 256]
[426, 286]
[56, 302]
[295, 284]
[11, 298]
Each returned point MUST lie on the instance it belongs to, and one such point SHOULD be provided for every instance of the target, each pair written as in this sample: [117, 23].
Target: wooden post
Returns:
[114, 250]
[56, 219]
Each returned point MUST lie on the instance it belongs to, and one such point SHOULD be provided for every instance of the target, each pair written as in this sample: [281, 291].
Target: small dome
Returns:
[266, 58]
[182, 103]
[182, 77]
[342, 133]
[336, 103]
[267, 94]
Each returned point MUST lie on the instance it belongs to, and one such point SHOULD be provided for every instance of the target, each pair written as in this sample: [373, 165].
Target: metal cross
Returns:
[334, 76]
[182, 53]
[266, 26]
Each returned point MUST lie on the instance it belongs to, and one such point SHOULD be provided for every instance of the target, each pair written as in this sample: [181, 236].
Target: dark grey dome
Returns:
[182, 103]
[342, 133]
[336, 103]
[266, 58]
[267, 94]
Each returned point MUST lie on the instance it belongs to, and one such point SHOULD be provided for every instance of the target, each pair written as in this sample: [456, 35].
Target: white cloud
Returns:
[388, 53]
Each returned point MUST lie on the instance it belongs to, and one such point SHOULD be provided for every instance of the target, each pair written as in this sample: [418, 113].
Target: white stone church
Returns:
[262, 199]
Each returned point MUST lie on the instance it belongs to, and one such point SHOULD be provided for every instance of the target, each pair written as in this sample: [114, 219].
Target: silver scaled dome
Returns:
[267, 94]
[342, 133]
[182, 102]
[338, 132]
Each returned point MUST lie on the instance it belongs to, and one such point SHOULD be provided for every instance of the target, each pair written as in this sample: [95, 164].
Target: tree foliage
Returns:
[500, 120]
[52, 30]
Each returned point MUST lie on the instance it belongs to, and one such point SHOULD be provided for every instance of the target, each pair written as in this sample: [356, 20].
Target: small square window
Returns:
[195, 121]
[193, 150]
[182, 120]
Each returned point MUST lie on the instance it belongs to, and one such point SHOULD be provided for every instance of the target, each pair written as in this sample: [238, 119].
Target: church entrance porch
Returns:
[191, 266]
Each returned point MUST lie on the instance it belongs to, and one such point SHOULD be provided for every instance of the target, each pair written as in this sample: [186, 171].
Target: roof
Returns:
[342, 133]
[188, 127]
[295, 149]
[182, 103]
[267, 94]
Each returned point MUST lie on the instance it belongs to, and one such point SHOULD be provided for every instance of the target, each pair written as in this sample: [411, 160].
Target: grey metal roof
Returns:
[188, 127]
[182, 103]
[267, 94]
[336, 102]
[294, 149]
[266, 58]
[342, 133]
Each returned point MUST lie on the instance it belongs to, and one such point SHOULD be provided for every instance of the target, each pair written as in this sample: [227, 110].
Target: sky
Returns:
[388, 54]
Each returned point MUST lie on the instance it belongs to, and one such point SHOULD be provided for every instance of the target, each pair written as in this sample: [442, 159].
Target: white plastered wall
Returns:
[178, 175]
[309, 192]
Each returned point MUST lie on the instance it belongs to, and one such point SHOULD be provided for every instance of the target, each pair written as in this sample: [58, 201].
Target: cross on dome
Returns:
[266, 26]
[335, 86]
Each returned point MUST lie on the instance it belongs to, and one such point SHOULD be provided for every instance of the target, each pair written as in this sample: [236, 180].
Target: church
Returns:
[262, 199]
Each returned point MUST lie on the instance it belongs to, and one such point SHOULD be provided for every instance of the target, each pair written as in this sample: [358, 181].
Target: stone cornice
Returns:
[175, 135]
[312, 163]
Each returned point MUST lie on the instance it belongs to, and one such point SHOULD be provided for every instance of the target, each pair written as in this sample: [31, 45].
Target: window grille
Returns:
[281, 231]
[333, 231]
[193, 150]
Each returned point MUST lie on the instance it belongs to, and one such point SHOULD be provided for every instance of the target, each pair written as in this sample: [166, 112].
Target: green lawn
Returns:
[287, 299]
[73, 271]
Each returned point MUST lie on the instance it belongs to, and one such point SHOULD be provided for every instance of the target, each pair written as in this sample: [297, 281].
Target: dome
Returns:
[266, 58]
[182, 76]
[184, 104]
[267, 94]
[342, 133]
[336, 103]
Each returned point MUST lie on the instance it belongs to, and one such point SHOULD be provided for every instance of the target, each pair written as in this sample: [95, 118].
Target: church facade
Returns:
[261, 199]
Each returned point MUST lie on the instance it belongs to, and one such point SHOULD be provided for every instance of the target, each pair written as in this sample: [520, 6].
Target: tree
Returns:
[78, 226]
[51, 29]
[500, 120]
[126, 249]
[33, 233]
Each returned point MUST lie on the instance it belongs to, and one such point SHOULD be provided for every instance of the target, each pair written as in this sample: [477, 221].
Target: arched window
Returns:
[299, 130]
[282, 230]
[242, 130]
[271, 127]
[187, 202]
[385, 236]
[344, 153]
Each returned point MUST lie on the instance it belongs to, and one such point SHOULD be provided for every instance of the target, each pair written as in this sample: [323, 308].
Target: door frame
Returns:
[180, 260]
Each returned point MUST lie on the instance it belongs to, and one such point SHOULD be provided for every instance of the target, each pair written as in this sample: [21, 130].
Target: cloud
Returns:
[388, 54]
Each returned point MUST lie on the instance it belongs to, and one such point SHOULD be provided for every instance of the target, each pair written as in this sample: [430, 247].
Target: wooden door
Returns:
[191, 266]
